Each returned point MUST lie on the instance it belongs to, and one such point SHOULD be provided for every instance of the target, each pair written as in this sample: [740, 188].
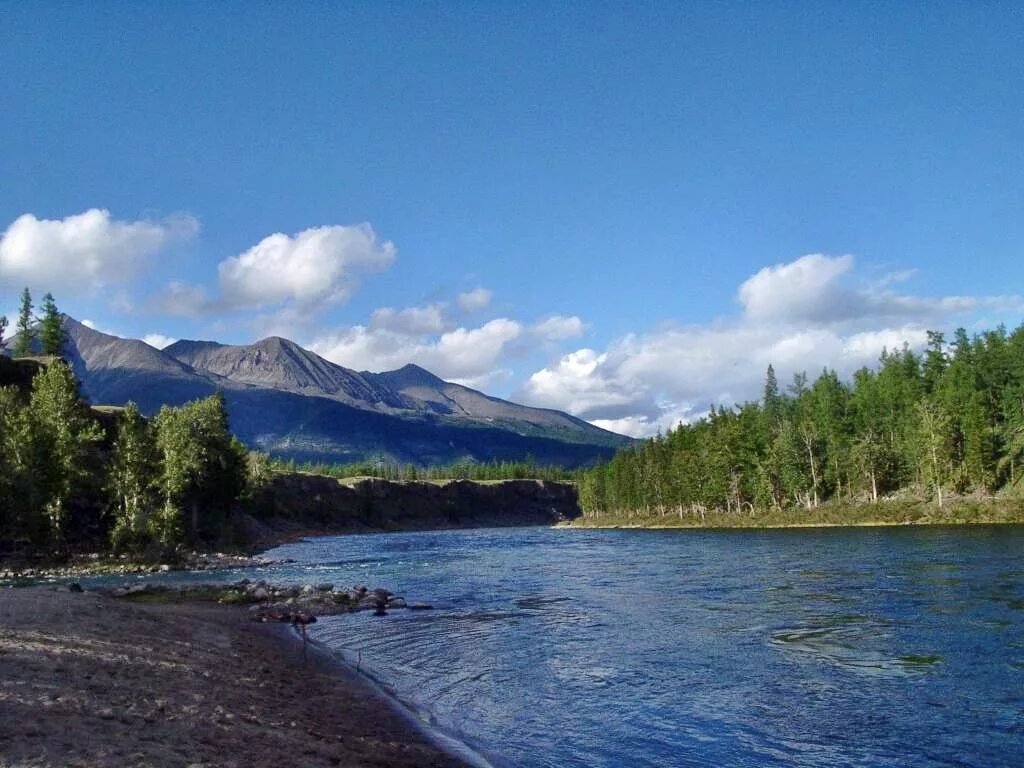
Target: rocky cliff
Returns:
[298, 505]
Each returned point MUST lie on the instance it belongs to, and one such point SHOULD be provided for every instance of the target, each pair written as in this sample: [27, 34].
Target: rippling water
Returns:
[554, 647]
[863, 647]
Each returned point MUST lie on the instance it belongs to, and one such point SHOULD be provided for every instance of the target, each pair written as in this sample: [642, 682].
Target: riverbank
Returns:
[86, 680]
[296, 505]
[831, 515]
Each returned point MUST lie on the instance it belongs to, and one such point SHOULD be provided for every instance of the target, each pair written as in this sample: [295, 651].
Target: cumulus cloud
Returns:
[307, 270]
[559, 327]
[316, 265]
[86, 251]
[158, 340]
[822, 289]
[463, 355]
[801, 316]
[412, 321]
[474, 301]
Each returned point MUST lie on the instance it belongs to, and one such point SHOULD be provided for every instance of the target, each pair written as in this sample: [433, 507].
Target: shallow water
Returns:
[859, 647]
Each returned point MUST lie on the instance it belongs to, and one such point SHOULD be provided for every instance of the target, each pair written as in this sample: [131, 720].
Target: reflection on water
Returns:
[883, 647]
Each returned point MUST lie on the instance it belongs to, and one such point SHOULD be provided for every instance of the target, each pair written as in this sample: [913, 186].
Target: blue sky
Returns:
[622, 210]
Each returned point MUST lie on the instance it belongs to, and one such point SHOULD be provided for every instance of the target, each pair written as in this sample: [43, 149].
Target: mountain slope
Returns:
[277, 363]
[291, 402]
[114, 370]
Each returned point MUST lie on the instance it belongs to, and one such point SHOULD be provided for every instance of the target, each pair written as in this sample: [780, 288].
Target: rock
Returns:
[75, 587]
[260, 593]
[396, 602]
[325, 587]
[165, 568]
[308, 589]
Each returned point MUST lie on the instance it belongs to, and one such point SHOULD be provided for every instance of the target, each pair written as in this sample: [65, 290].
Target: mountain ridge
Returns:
[291, 402]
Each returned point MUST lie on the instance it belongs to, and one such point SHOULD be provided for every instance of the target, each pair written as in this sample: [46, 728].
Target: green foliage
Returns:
[61, 433]
[26, 332]
[52, 335]
[464, 470]
[134, 470]
[203, 471]
[149, 487]
[950, 423]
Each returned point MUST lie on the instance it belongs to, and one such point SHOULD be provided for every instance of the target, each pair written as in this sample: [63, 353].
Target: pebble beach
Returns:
[89, 680]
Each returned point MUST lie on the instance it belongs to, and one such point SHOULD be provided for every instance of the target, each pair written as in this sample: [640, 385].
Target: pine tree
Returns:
[3, 329]
[51, 328]
[772, 401]
[26, 333]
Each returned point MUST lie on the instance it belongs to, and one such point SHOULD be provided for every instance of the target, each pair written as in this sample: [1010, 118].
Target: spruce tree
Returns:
[51, 328]
[3, 328]
[26, 333]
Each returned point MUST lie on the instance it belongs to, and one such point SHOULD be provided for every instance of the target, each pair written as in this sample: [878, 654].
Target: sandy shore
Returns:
[87, 680]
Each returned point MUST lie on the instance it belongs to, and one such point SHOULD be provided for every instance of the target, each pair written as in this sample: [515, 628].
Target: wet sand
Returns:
[87, 680]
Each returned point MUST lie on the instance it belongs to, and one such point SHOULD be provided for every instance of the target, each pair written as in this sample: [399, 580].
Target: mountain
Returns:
[291, 402]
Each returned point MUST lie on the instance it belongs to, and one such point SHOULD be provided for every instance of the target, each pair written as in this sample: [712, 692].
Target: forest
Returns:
[476, 471]
[944, 424]
[72, 476]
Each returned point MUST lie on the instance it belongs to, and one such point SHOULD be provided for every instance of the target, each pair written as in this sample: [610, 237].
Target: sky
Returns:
[622, 210]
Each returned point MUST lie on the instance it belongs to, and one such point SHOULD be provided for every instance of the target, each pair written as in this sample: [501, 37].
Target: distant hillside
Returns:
[295, 404]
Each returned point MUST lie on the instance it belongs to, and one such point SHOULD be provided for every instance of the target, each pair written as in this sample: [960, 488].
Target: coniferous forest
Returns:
[927, 428]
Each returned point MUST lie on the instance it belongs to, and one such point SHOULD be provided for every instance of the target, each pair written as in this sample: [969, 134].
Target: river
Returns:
[810, 647]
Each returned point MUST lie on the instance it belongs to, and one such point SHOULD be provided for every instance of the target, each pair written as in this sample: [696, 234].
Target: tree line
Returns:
[46, 330]
[927, 426]
[72, 476]
[145, 487]
[384, 469]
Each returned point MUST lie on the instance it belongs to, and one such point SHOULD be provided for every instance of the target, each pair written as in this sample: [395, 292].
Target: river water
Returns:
[831, 647]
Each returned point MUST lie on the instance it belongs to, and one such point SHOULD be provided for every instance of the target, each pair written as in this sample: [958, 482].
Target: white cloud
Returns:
[802, 316]
[475, 300]
[803, 289]
[180, 298]
[461, 355]
[158, 340]
[413, 321]
[559, 327]
[86, 251]
[316, 265]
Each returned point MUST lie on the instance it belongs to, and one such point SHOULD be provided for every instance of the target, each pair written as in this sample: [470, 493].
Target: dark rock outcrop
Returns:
[299, 505]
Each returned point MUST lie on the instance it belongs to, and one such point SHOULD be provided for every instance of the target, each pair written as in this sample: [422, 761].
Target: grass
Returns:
[898, 512]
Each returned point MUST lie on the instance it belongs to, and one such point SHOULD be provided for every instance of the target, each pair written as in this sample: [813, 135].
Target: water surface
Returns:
[858, 647]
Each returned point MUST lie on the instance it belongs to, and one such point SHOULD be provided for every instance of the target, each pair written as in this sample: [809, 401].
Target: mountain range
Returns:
[292, 403]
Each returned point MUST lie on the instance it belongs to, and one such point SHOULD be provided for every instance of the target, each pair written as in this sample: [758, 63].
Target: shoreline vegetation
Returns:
[924, 438]
[108, 485]
[884, 513]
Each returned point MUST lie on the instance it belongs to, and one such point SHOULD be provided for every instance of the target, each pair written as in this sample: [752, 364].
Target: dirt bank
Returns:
[87, 680]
